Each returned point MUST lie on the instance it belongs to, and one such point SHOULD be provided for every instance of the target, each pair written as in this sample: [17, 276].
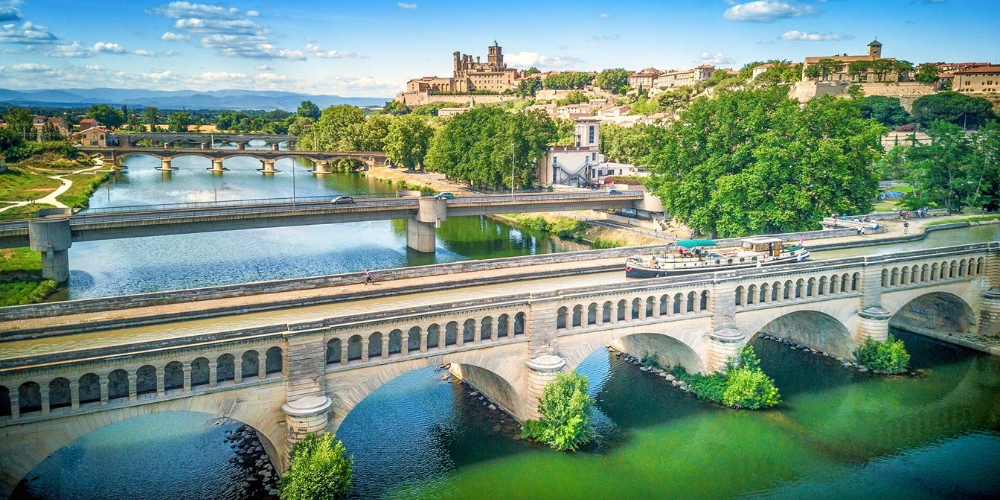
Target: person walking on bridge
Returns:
[368, 277]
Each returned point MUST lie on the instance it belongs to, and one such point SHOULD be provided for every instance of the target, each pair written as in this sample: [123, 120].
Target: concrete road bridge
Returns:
[303, 368]
[206, 141]
[54, 235]
[320, 159]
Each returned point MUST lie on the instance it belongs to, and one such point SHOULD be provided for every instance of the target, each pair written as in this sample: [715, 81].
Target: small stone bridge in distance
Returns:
[205, 141]
[320, 159]
[288, 379]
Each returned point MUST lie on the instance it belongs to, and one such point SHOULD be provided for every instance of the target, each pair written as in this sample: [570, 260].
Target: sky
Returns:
[370, 48]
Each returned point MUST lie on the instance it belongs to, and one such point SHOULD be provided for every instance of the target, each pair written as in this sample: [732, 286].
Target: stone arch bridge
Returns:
[319, 159]
[286, 380]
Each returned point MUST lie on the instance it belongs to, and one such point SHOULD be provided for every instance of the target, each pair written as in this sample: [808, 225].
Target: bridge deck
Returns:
[182, 329]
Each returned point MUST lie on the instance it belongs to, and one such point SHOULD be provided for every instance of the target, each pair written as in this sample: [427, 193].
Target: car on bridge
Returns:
[614, 191]
[342, 200]
[444, 196]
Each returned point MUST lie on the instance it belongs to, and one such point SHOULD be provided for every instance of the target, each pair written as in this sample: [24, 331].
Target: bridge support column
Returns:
[541, 371]
[237, 371]
[44, 392]
[213, 373]
[217, 165]
[165, 165]
[74, 395]
[989, 314]
[420, 231]
[204, 145]
[542, 336]
[404, 347]
[274, 147]
[268, 167]
[874, 325]
[52, 237]
[241, 146]
[104, 391]
[15, 406]
[304, 416]
[725, 343]
[320, 167]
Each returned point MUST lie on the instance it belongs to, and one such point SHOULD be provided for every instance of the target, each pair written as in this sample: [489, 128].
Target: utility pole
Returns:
[512, 170]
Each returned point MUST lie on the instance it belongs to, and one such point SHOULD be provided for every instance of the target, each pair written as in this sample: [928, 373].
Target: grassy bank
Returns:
[84, 185]
[21, 279]
[18, 184]
[971, 220]
[25, 212]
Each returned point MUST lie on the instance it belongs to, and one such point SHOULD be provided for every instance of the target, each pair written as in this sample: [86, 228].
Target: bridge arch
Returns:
[25, 453]
[815, 329]
[667, 349]
[938, 311]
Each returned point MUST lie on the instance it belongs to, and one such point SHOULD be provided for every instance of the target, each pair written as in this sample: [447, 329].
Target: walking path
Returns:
[50, 198]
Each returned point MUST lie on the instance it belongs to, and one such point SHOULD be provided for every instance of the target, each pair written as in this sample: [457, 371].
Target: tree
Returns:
[179, 121]
[953, 107]
[368, 135]
[942, 172]
[19, 120]
[307, 110]
[151, 117]
[754, 162]
[612, 80]
[319, 470]
[531, 71]
[926, 73]
[106, 115]
[333, 125]
[574, 97]
[882, 67]
[395, 108]
[476, 147]
[886, 110]
[568, 80]
[856, 91]
[564, 410]
[528, 87]
[408, 140]
[858, 70]
[625, 144]
[902, 69]
[823, 68]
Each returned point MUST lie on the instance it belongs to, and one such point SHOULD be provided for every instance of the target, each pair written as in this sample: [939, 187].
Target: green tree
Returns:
[133, 121]
[368, 135]
[886, 110]
[881, 68]
[953, 107]
[319, 470]
[755, 162]
[106, 115]
[889, 356]
[626, 144]
[856, 91]
[179, 121]
[531, 71]
[985, 165]
[858, 70]
[568, 80]
[528, 87]
[19, 120]
[574, 97]
[334, 125]
[612, 80]
[926, 73]
[151, 117]
[565, 414]
[307, 110]
[823, 68]
[941, 171]
[395, 108]
[478, 147]
[408, 140]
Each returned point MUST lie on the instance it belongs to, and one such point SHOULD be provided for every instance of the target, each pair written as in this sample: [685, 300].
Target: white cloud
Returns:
[174, 37]
[178, 10]
[604, 38]
[814, 37]
[410, 6]
[249, 47]
[8, 13]
[528, 59]
[331, 54]
[262, 67]
[765, 11]
[31, 67]
[145, 53]
[253, 13]
[26, 33]
[605, 16]
[108, 48]
[717, 59]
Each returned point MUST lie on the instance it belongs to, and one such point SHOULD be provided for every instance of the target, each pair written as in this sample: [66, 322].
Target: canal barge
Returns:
[699, 256]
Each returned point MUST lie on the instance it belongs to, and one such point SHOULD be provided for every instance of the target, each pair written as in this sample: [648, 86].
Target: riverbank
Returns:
[27, 188]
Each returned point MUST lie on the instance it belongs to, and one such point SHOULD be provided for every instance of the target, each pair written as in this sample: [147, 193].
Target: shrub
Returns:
[742, 385]
[565, 414]
[889, 356]
[319, 470]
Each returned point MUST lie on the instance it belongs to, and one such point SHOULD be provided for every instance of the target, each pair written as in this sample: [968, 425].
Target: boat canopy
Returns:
[694, 243]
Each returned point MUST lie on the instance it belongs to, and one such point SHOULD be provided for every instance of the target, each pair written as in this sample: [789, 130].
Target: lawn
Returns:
[21, 279]
[18, 185]
[892, 205]
[83, 186]
[25, 212]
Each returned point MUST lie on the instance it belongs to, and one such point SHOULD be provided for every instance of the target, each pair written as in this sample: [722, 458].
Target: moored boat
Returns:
[697, 256]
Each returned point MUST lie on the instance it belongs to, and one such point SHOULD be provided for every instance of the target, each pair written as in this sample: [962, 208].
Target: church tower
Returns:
[495, 57]
[875, 50]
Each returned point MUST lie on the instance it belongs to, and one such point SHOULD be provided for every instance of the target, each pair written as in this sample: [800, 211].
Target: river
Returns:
[837, 434]
[173, 262]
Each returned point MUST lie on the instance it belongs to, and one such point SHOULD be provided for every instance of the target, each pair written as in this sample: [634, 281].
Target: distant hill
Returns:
[179, 99]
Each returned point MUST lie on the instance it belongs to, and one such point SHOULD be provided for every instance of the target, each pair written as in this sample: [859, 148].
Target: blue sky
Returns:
[372, 47]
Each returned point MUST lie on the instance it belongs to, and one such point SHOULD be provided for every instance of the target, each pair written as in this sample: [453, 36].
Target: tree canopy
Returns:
[568, 80]
[478, 146]
[755, 162]
[19, 120]
[886, 110]
[565, 414]
[319, 470]
[613, 80]
[179, 121]
[408, 140]
[106, 115]
[953, 107]
[308, 110]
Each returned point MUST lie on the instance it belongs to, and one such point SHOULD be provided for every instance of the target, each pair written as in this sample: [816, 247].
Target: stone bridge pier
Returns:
[53, 238]
[420, 234]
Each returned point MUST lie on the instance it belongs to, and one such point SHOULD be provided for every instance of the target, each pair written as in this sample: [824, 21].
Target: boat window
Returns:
[716, 261]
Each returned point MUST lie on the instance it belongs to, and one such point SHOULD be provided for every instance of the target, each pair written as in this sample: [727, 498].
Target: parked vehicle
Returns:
[342, 200]
[444, 196]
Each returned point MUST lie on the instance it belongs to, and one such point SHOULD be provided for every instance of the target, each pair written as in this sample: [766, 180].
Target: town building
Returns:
[673, 79]
[88, 123]
[98, 136]
[842, 71]
[572, 165]
[58, 124]
[977, 80]
[643, 80]
[471, 75]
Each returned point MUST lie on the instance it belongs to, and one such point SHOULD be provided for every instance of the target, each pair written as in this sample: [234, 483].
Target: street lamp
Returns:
[512, 170]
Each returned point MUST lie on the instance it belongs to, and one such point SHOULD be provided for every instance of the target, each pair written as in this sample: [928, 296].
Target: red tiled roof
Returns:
[981, 69]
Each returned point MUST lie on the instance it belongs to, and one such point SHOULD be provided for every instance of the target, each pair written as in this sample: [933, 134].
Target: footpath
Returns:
[51, 198]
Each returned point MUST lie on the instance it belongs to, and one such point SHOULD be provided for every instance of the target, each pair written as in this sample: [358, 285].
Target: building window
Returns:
[591, 134]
